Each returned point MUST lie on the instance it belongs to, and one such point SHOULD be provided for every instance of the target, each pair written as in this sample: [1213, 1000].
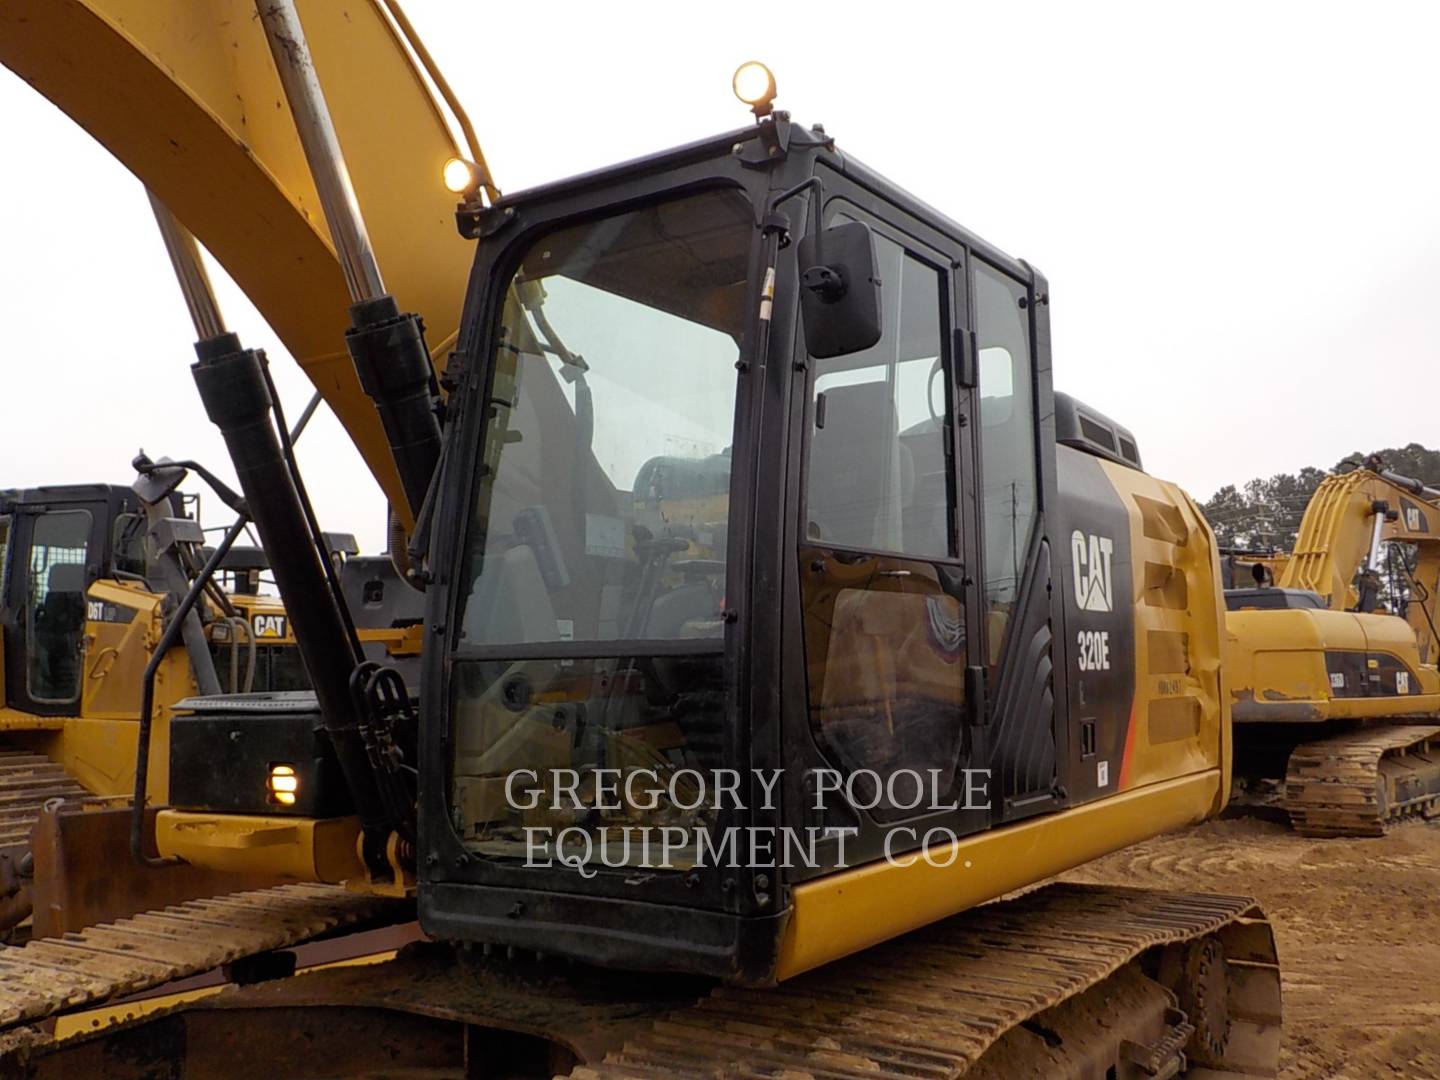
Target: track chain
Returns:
[1356, 783]
[927, 1006]
[100, 963]
[27, 782]
[931, 1004]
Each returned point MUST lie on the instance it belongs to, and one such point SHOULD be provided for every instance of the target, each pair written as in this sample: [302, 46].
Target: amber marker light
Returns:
[283, 784]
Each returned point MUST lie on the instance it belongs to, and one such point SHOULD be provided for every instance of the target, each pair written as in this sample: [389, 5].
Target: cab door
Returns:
[885, 548]
[52, 554]
[1019, 608]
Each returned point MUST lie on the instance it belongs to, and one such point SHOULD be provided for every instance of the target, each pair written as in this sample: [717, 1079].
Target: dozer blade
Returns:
[70, 841]
[1357, 783]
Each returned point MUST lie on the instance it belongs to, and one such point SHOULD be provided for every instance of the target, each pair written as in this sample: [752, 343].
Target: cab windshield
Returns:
[602, 508]
[600, 521]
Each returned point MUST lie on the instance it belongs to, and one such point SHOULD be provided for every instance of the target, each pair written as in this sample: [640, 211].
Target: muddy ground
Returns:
[1357, 923]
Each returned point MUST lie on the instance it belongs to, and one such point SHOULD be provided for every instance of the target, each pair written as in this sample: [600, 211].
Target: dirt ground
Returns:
[1357, 923]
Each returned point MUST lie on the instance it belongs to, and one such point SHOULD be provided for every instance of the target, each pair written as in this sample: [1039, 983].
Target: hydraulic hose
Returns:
[147, 698]
[198, 587]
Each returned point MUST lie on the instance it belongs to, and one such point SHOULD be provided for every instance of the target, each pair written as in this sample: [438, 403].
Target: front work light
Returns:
[283, 784]
[755, 85]
[461, 176]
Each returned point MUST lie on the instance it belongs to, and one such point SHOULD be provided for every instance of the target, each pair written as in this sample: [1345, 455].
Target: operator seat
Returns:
[59, 627]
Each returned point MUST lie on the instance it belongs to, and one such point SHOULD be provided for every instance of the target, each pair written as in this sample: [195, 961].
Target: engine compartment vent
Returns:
[1079, 426]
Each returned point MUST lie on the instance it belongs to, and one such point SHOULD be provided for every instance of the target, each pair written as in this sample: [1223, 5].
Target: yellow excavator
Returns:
[777, 610]
[1334, 696]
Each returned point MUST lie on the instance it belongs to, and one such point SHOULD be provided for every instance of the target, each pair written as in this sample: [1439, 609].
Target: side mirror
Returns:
[839, 290]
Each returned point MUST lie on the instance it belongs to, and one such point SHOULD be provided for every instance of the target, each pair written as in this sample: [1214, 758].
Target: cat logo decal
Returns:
[1094, 585]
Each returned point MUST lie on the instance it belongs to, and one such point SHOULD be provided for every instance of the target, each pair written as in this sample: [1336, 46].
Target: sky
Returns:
[1235, 204]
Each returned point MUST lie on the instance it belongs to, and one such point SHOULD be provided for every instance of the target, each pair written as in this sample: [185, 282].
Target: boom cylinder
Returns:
[393, 365]
[1419, 487]
[233, 388]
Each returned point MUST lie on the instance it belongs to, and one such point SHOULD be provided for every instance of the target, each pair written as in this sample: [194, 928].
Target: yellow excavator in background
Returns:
[1331, 694]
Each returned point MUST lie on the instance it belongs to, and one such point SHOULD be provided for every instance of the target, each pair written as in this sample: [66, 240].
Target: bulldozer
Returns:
[93, 574]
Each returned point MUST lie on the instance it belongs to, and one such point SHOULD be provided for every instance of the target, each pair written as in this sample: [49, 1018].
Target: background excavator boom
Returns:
[1347, 517]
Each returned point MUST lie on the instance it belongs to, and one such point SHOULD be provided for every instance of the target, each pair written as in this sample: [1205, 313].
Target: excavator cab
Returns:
[767, 579]
[696, 585]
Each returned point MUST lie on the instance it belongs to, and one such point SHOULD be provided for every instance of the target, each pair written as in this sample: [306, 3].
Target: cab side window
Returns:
[127, 541]
[1007, 442]
[882, 591]
[878, 472]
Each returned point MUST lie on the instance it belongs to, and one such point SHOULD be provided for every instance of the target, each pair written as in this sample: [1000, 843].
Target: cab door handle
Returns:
[967, 373]
[975, 695]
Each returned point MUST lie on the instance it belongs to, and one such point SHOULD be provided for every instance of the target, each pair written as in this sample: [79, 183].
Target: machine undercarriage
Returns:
[1066, 981]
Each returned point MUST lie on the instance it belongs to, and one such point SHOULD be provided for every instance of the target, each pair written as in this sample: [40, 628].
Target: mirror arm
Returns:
[815, 210]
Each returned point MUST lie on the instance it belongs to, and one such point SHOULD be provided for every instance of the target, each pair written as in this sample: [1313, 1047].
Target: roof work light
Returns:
[755, 85]
[461, 176]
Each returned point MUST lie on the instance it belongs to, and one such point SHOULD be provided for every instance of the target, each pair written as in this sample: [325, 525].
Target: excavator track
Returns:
[1357, 783]
[1015, 988]
[88, 967]
[936, 1002]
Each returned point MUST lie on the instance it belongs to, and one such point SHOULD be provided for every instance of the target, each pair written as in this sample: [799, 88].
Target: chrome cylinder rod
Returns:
[189, 271]
[322, 148]
[1374, 561]
[1416, 486]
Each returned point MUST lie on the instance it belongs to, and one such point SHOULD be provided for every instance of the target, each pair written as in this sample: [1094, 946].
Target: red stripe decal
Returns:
[1129, 745]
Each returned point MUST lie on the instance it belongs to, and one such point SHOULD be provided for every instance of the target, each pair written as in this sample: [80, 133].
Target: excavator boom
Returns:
[1349, 514]
[193, 105]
